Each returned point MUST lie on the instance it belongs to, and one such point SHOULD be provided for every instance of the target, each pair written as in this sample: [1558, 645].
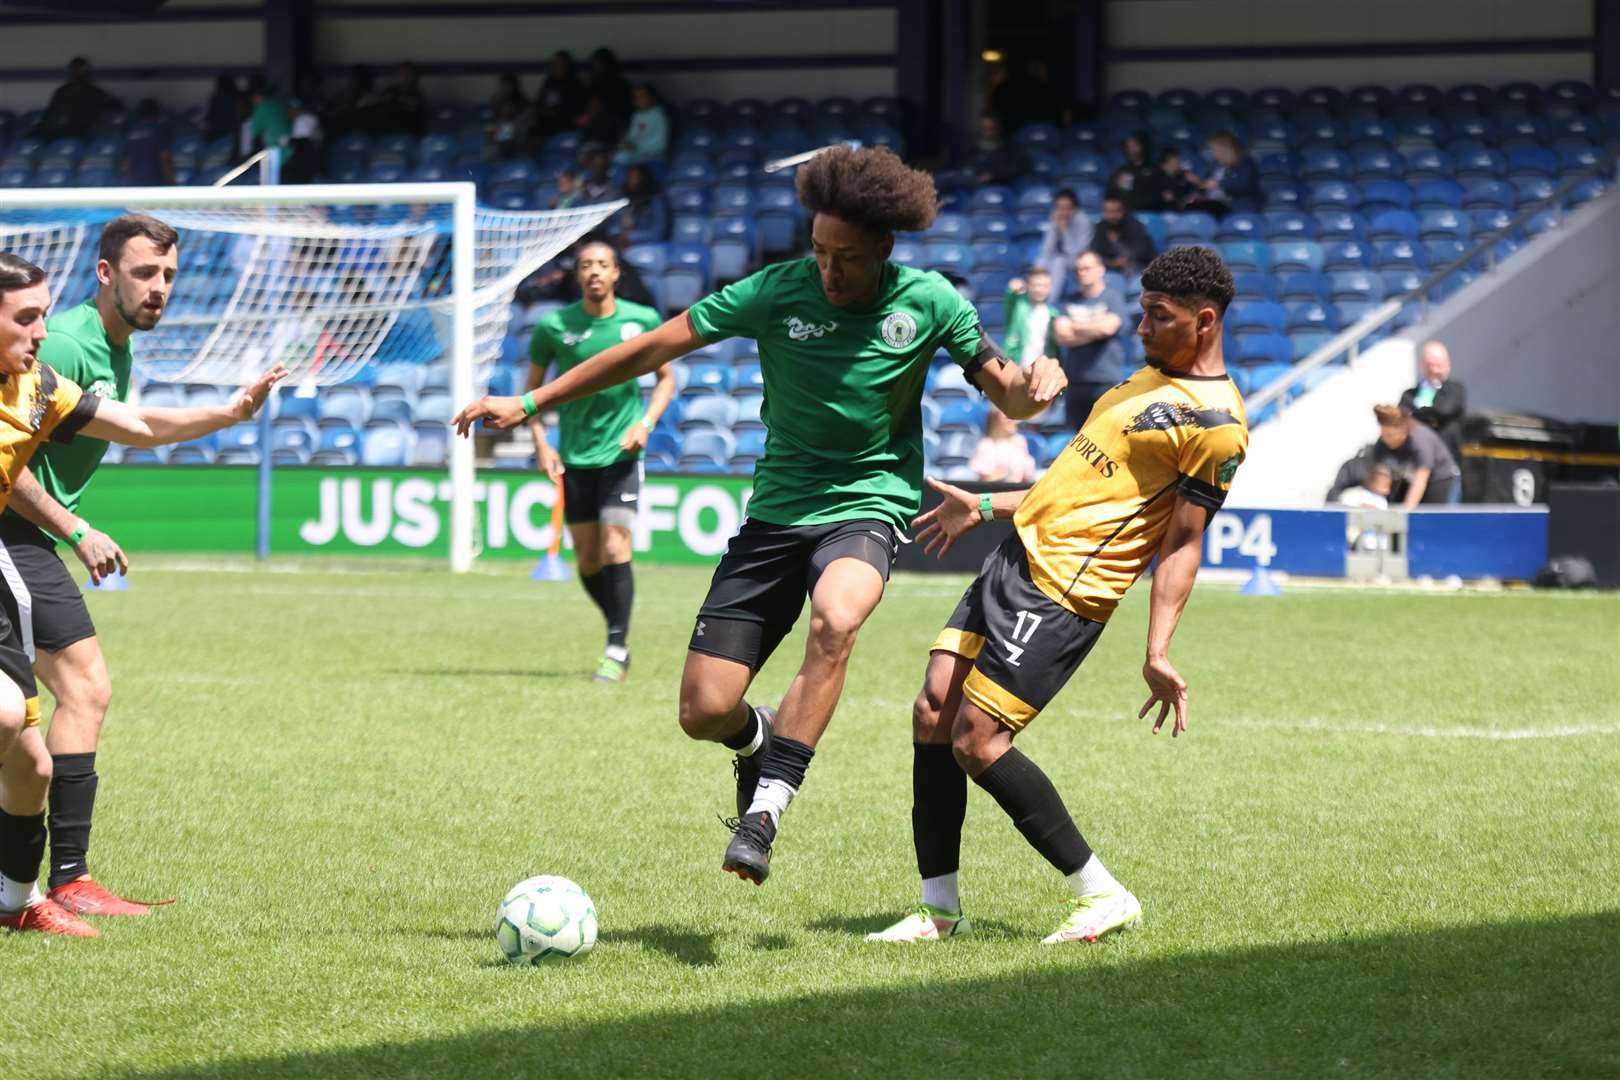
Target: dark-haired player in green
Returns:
[89, 344]
[602, 438]
[846, 338]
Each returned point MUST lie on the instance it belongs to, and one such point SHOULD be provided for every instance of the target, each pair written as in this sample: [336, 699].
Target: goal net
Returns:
[333, 281]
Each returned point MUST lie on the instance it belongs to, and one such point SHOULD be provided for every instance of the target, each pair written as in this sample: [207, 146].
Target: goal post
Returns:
[328, 279]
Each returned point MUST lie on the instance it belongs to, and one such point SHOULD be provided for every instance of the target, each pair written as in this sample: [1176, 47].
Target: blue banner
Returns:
[1510, 544]
[1306, 542]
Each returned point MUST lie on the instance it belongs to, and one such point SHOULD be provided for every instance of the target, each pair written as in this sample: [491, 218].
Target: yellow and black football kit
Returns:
[1087, 530]
[34, 406]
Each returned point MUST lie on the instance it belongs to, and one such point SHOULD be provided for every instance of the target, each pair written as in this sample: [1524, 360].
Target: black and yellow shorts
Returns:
[17, 634]
[1025, 646]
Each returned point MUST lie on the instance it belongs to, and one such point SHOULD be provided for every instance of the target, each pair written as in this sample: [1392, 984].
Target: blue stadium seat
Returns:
[1542, 221]
[1534, 161]
[1352, 285]
[1287, 225]
[988, 226]
[686, 277]
[731, 247]
[1308, 285]
[748, 448]
[434, 407]
[1310, 315]
[334, 402]
[1327, 164]
[708, 378]
[1476, 162]
[1380, 195]
[649, 259]
[707, 450]
[1306, 342]
[1489, 220]
[1296, 255]
[1345, 254]
[1189, 228]
[708, 412]
[1246, 254]
[1254, 285]
[331, 435]
[1240, 226]
[995, 254]
[1253, 349]
[1333, 193]
[1255, 316]
[954, 257]
[907, 253]
[1488, 194]
[992, 197]
[386, 444]
[989, 284]
[963, 414]
[1531, 188]
[1392, 254]
[294, 433]
[1444, 224]
[1337, 224]
[1400, 281]
[1393, 225]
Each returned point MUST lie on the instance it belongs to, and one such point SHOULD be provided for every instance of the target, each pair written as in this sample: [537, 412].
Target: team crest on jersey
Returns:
[574, 339]
[1228, 469]
[1166, 415]
[101, 388]
[628, 331]
[899, 330]
[799, 330]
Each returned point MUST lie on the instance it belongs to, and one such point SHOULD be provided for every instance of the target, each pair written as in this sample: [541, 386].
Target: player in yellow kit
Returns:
[37, 405]
[1140, 480]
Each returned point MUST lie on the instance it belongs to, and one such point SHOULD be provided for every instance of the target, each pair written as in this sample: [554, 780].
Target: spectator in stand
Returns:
[268, 126]
[1064, 236]
[569, 192]
[1139, 180]
[303, 142]
[1437, 400]
[1030, 316]
[1234, 183]
[596, 184]
[147, 162]
[1120, 240]
[1425, 472]
[507, 135]
[558, 104]
[1372, 493]
[348, 112]
[1021, 94]
[598, 126]
[646, 205]
[1002, 456]
[1089, 330]
[402, 109]
[227, 108]
[76, 105]
[607, 79]
[1172, 187]
[995, 159]
[648, 136]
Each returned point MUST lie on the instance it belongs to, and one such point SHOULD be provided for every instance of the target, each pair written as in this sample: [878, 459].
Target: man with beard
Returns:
[88, 345]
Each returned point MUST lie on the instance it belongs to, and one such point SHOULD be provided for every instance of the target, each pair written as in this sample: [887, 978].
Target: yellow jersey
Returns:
[34, 406]
[1095, 521]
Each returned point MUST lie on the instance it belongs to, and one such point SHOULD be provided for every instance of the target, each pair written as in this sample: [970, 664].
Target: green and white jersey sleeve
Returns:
[590, 428]
[843, 386]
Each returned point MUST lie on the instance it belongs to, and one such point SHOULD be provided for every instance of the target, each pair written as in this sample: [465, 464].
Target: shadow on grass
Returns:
[858, 926]
[1508, 1000]
[691, 949]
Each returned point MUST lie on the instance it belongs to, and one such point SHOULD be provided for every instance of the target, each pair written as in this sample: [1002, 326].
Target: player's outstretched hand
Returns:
[1168, 688]
[496, 412]
[1046, 379]
[942, 526]
[252, 396]
[101, 556]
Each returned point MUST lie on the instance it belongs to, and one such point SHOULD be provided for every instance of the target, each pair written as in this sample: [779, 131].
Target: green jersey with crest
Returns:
[591, 427]
[843, 386]
[77, 349]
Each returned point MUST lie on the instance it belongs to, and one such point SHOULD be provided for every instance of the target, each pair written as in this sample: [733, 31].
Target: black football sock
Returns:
[781, 775]
[22, 848]
[745, 735]
[618, 595]
[938, 807]
[72, 800]
[1035, 807]
[596, 588]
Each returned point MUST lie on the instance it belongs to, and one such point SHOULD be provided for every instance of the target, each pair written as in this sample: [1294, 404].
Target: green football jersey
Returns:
[592, 426]
[843, 386]
[76, 348]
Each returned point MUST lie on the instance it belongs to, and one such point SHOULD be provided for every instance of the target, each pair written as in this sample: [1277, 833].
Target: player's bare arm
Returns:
[1179, 556]
[625, 361]
[1019, 392]
[99, 553]
[545, 455]
[958, 512]
[641, 430]
[135, 426]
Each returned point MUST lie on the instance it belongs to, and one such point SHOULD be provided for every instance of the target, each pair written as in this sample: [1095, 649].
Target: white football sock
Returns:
[1093, 878]
[16, 895]
[772, 797]
[617, 652]
[942, 892]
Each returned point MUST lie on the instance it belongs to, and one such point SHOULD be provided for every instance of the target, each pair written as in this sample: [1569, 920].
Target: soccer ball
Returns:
[543, 919]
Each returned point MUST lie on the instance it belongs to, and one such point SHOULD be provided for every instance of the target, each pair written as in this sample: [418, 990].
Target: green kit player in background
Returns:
[846, 338]
[602, 437]
[88, 344]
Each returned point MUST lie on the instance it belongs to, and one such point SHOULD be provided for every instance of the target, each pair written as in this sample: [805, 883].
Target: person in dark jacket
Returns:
[76, 105]
[1120, 240]
[1437, 400]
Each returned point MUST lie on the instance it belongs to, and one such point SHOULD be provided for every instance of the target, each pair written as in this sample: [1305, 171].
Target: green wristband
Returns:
[529, 406]
[79, 532]
[987, 512]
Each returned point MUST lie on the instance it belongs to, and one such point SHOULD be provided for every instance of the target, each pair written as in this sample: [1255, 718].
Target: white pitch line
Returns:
[1562, 731]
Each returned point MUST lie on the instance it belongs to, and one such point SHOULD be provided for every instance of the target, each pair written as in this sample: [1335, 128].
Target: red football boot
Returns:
[49, 917]
[85, 896]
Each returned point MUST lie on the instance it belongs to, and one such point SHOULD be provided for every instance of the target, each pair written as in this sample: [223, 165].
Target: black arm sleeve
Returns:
[987, 351]
[74, 421]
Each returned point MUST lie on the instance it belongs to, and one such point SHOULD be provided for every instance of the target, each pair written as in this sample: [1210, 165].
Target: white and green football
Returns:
[544, 919]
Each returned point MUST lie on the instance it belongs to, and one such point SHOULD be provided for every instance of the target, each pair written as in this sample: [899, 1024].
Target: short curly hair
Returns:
[870, 188]
[1193, 276]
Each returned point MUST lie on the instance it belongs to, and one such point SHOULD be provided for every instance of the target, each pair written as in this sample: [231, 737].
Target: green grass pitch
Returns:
[1389, 846]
